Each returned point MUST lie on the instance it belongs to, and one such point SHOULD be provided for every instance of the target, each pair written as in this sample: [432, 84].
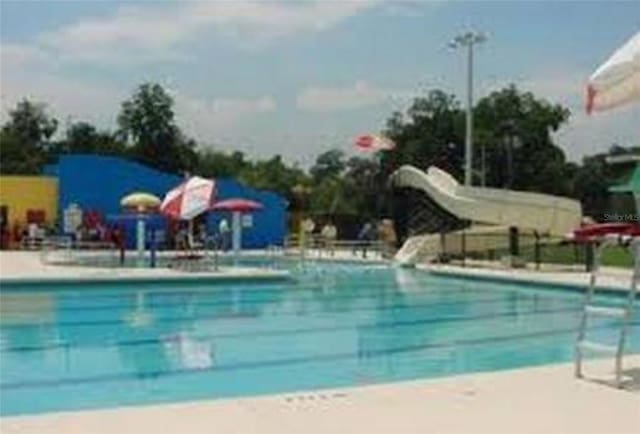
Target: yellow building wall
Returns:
[23, 193]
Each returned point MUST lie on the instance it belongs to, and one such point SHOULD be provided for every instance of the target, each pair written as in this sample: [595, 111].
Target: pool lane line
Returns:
[320, 329]
[130, 376]
[296, 312]
[365, 291]
[426, 279]
[214, 291]
[180, 298]
[249, 285]
[153, 301]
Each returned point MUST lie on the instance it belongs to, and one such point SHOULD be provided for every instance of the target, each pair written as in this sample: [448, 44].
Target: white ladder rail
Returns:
[625, 314]
[634, 247]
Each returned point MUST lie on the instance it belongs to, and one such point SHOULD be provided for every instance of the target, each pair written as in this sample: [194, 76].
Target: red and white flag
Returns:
[372, 142]
[190, 199]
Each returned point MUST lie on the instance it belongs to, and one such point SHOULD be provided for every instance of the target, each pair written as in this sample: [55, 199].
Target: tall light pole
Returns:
[468, 40]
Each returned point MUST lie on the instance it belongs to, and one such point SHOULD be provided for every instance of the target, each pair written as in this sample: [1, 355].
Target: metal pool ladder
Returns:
[624, 314]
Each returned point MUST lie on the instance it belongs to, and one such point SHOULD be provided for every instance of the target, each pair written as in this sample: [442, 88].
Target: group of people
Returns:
[370, 232]
[382, 231]
[185, 240]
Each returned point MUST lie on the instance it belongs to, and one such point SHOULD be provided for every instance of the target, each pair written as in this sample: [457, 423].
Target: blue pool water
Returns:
[73, 347]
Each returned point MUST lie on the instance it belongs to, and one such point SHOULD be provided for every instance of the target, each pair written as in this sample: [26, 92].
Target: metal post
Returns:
[484, 166]
[468, 165]
[154, 247]
[514, 248]
[510, 162]
[589, 257]
[468, 40]
[122, 252]
[443, 247]
[216, 263]
[140, 235]
[464, 248]
[536, 250]
[236, 228]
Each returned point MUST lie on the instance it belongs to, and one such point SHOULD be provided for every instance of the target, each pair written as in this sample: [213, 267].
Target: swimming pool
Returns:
[71, 347]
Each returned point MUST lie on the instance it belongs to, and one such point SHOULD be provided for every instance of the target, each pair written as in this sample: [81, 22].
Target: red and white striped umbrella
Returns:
[617, 81]
[189, 199]
[372, 142]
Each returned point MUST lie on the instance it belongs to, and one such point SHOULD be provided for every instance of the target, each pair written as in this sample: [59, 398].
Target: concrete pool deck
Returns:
[545, 399]
[611, 278]
[26, 267]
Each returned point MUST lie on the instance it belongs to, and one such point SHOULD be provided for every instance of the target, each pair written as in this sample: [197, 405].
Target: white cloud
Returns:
[155, 33]
[360, 94]
[583, 134]
[65, 99]
[210, 120]
[586, 135]
[14, 56]
[409, 8]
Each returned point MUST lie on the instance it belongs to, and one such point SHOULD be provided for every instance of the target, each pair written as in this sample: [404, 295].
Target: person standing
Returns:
[306, 230]
[224, 232]
[389, 238]
[329, 234]
[365, 236]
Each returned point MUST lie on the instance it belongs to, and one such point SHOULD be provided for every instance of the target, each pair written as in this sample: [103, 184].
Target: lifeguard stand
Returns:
[632, 182]
[624, 232]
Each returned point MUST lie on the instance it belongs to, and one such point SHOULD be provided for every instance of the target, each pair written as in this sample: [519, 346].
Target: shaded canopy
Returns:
[140, 200]
[239, 205]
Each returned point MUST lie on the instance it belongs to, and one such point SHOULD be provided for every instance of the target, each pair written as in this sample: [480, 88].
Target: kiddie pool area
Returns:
[75, 346]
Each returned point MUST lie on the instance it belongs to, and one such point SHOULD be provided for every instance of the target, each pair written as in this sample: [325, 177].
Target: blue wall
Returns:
[98, 183]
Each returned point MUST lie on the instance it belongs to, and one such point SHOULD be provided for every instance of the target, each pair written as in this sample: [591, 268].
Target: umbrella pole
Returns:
[237, 232]
[140, 238]
[190, 234]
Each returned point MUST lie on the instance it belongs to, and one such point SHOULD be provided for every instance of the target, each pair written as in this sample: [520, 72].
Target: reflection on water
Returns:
[27, 307]
[117, 344]
[188, 352]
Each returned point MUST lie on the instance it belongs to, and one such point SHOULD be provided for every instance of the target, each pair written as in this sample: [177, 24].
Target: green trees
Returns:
[273, 174]
[329, 164]
[84, 138]
[345, 187]
[147, 121]
[430, 133]
[513, 139]
[220, 164]
[515, 128]
[25, 138]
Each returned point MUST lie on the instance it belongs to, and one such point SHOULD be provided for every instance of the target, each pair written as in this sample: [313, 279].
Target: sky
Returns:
[297, 78]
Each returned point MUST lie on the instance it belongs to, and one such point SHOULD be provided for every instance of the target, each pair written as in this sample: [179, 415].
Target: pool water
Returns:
[71, 347]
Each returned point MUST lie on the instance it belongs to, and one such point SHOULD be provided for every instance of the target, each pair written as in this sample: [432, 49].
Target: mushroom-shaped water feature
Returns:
[237, 207]
[141, 204]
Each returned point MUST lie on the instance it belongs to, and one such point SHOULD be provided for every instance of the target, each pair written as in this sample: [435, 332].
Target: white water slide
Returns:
[489, 210]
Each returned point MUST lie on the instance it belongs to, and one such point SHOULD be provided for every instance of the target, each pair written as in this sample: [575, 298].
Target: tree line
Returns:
[513, 148]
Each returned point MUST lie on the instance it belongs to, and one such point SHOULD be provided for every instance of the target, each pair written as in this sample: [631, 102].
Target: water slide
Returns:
[488, 210]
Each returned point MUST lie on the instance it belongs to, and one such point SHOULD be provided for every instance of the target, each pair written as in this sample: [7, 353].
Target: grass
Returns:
[567, 254]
